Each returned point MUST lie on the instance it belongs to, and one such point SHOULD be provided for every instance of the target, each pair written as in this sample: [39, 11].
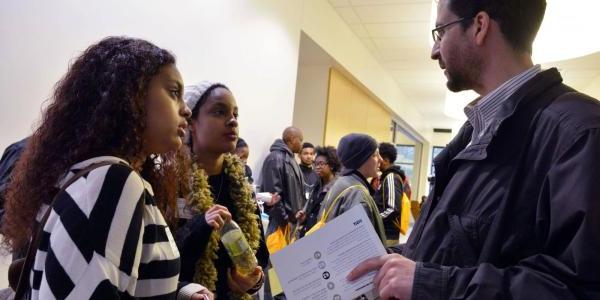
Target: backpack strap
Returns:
[337, 198]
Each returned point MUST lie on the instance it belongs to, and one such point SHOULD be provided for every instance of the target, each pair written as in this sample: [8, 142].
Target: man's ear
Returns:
[482, 25]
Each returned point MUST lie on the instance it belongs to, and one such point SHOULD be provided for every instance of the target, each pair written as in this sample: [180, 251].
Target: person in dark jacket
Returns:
[7, 164]
[281, 175]
[360, 159]
[514, 213]
[219, 193]
[389, 195]
[327, 165]
[307, 158]
[243, 151]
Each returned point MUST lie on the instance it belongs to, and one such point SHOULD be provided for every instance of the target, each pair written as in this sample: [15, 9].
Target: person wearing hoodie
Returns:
[307, 159]
[360, 160]
[282, 175]
[218, 192]
[389, 195]
[7, 163]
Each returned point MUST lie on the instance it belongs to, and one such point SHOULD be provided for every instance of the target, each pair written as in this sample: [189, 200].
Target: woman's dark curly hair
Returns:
[330, 154]
[97, 109]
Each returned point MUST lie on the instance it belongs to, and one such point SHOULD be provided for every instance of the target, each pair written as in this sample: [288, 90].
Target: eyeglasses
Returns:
[320, 163]
[438, 32]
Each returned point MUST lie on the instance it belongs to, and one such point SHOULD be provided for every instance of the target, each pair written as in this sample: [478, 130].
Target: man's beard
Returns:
[466, 76]
[458, 82]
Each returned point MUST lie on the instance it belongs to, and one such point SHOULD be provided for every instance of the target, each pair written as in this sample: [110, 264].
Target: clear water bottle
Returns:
[238, 249]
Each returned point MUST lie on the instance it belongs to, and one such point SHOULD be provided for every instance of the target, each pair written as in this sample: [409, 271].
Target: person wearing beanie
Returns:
[360, 159]
[219, 192]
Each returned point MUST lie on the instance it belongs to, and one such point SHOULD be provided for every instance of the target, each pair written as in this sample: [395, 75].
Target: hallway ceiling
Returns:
[397, 33]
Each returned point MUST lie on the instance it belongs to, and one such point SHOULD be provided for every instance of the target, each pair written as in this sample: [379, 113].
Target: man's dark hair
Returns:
[519, 20]
[388, 151]
[307, 145]
[330, 154]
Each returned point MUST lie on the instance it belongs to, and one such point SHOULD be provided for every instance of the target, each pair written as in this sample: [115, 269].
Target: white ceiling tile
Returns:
[360, 31]
[348, 14]
[369, 43]
[372, 48]
[394, 54]
[424, 76]
[419, 12]
[431, 91]
[424, 64]
[379, 2]
[415, 43]
[339, 3]
[398, 29]
[579, 73]
[587, 62]
[577, 84]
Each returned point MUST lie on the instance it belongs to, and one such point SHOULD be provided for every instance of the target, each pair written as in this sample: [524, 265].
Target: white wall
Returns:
[252, 46]
[311, 102]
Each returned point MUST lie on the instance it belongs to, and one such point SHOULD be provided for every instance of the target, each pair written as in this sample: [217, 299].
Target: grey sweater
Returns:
[350, 198]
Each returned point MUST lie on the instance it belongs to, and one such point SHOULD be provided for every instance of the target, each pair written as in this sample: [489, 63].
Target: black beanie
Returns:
[354, 149]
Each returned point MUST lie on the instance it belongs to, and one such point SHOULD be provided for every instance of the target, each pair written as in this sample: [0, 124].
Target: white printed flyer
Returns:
[315, 267]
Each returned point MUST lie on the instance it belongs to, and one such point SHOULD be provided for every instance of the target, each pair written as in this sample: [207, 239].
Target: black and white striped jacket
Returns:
[106, 239]
[389, 200]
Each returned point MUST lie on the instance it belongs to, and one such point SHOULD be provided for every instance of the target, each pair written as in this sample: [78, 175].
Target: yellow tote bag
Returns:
[279, 239]
[404, 219]
[323, 219]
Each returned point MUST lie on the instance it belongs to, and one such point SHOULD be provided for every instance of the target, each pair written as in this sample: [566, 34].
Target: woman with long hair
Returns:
[219, 193]
[120, 104]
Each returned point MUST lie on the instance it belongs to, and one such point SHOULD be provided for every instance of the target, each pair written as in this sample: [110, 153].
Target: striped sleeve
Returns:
[95, 243]
[392, 195]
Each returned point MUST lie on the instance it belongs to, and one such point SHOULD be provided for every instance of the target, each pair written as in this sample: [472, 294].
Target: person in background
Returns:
[307, 157]
[219, 193]
[327, 165]
[242, 150]
[119, 104]
[281, 175]
[360, 159]
[7, 163]
[389, 195]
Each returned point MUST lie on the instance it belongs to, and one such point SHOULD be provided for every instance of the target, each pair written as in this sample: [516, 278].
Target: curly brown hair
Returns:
[330, 155]
[96, 109]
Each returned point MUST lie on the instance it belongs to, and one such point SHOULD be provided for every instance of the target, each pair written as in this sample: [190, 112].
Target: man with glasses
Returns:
[515, 209]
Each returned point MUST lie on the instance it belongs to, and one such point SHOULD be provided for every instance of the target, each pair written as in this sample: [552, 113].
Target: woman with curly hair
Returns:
[219, 192]
[327, 165]
[119, 106]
